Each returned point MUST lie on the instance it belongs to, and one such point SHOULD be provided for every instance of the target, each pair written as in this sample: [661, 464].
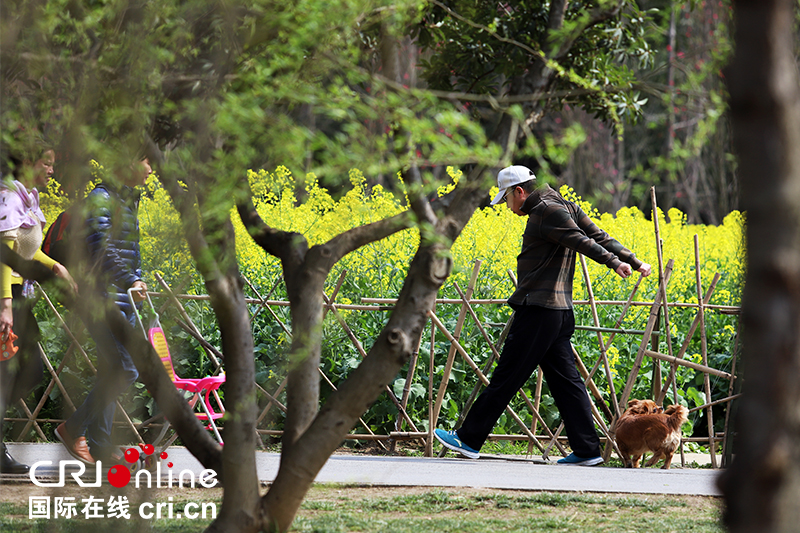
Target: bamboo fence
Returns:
[607, 405]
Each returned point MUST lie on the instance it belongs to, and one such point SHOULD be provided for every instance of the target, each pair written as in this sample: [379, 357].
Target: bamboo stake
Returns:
[688, 339]
[69, 331]
[56, 378]
[654, 343]
[616, 329]
[212, 354]
[553, 440]
[699, 321]
[715, 402]
[598, 418]
[481, 375]
[53, 382]
[730, 309]
[264, 299]
[646, 337]
[451, 355]
[537, 402]
[590, 384]
[273, 399]
[600, 341]
[267, 304]
[363, 354]
[361, 420]
[704, 350]
[486, 367]
[726, 455]
[431, 421]
[412, 368]
[683, 362]
[410, 435]
[733, 309]
[31, 418]
[181, 286]
[663, 288]
[625, 308]
[334, 294]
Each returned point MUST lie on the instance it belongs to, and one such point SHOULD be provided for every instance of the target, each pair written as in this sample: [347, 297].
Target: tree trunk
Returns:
[302, 392]
[762, 486]
[301, 461]
[304, 457]
[241, 493]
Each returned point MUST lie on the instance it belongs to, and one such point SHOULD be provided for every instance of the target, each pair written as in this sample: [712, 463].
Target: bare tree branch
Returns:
[281, 244]
[355, 238]
[27, 269]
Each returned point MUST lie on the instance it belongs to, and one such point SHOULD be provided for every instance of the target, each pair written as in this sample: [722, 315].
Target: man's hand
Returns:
[139, 290]
[645, 269]
[624, 270]
[6, 318]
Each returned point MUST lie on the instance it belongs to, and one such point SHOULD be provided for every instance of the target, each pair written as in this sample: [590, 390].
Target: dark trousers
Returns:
[538, 337]
[115, 373]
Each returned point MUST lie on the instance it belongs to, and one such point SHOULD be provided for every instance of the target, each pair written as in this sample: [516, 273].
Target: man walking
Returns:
[544, 321]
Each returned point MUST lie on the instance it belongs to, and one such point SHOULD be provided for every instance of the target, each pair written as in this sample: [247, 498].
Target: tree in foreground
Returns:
[762, 486]
[208, 90]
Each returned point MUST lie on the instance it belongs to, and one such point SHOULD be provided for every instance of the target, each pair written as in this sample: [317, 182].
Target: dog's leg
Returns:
[657, 455]
[667, 461]
[635, 461]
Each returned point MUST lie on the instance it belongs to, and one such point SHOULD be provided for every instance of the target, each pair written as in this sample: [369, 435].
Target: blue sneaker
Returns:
[449, 439]
[573, 459]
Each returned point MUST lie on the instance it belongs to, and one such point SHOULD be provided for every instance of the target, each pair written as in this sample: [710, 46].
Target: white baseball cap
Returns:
[509, 177]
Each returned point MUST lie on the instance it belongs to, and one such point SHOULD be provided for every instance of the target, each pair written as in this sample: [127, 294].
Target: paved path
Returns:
[494, 472]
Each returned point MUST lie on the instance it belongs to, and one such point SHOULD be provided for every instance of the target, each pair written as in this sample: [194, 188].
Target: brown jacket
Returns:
[556, 229]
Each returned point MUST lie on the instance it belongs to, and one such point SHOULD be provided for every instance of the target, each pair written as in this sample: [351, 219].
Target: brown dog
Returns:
[656, 432]
[641, 407]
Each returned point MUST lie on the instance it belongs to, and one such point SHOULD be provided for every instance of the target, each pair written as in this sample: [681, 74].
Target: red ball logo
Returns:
[119, 476]
[131, 455]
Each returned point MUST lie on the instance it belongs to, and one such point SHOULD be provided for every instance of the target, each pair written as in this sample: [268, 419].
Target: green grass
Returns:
[345, 508]
[471, 510]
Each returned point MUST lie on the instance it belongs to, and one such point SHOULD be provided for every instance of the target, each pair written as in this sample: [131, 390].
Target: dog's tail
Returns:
[678, 415]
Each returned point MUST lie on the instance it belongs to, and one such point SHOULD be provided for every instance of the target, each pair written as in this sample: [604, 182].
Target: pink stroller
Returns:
[198, 391]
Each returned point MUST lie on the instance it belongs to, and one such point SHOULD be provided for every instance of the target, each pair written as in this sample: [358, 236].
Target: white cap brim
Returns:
[498, 198]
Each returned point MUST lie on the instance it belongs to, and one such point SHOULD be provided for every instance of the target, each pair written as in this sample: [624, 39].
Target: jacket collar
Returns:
[535, 197]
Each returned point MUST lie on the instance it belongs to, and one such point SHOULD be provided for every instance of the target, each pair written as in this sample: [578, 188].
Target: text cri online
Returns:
[117, 507]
